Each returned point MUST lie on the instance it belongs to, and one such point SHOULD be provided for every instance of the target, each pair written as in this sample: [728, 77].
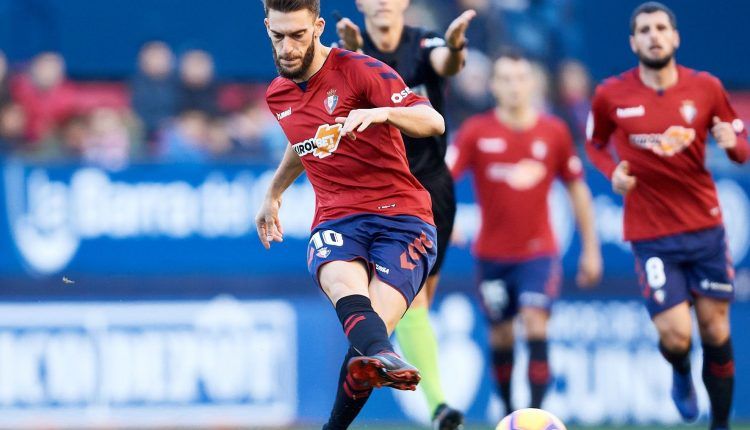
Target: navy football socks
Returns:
[538, 371]
[502, 361]
[718, 376]
[362, 326]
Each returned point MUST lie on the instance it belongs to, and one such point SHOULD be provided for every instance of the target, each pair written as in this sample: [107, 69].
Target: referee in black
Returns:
[424, 59]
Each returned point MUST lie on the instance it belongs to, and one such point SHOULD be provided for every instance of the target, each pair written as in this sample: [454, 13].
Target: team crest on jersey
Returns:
[331, 101]
[688, 111]
[673, 141]
[539, 149]
[325, 142]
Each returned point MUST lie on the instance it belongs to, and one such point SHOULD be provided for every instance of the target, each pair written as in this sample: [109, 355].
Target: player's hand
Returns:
[622, 181]
[360, 119]
[724, 134]
[455, 35]
[268, 224]
[589, 269]
[349, 35]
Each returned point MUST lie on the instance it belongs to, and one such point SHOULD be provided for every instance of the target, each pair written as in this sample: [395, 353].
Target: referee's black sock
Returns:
[362, 326]
[718, 376]
[350, 398]
[502, 361]
[539, 374]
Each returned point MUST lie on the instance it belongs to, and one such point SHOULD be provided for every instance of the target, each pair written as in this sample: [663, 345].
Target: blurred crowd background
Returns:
[65, 94]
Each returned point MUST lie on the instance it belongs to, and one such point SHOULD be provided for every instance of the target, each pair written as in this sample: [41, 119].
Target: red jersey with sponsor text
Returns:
[368, 174]
[513, 172]
[662, 135]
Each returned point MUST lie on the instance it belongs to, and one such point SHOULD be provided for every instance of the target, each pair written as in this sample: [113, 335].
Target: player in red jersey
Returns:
[372, 243]
[657, 117]
[515, 153]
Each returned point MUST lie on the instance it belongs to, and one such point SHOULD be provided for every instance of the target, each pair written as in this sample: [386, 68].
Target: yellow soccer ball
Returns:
[530, 419]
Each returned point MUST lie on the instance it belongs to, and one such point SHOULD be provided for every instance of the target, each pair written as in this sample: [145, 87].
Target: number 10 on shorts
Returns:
[326, 237]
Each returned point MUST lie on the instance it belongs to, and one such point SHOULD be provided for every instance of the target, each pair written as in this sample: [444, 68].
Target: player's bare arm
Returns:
[267, 220]
[590, 261]
[622, 180]
[414, 121]
[350, 36]
[448, 60]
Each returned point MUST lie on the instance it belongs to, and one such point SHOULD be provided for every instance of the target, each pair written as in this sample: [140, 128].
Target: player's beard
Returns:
[655, 63]
[298, 73]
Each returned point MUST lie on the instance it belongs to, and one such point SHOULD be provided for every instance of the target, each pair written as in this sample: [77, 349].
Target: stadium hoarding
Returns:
[187, 220]
[273, 363]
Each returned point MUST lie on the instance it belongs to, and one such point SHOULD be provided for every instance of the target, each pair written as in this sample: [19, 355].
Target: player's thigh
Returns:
[663, 281]
[538, 282]
[674, 326]
[535, 322]
[501, 335]
[497, 294]
[422, 299]
[710, 273]
[713, 319]
[402, 253]
[337, 258]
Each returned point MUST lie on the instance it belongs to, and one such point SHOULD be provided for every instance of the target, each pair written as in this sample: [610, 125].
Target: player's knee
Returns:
[501, 335]
[714, 329]
[535, 323]
[675, 338]
[337, 289]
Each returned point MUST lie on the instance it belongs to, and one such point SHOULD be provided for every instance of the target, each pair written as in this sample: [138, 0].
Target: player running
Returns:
[423, 58]
[373, 239]
[658, 116]
[515, 153]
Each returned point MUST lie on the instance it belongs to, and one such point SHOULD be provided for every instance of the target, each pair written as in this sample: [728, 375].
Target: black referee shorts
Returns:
[443, 197]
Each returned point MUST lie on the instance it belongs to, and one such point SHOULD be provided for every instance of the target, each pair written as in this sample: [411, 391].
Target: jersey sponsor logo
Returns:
[493, 145]
[331, 101]
[282, 115]
[688, 111]
[432, 42]
[631, 112]
[520, 176]
[539, 149]
[673, 141]
[382, 269]
[325, 142]
[400, 96]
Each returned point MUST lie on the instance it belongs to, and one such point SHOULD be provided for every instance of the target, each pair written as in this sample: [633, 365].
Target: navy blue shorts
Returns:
[400, 250]
[676, 268]
[505, 287]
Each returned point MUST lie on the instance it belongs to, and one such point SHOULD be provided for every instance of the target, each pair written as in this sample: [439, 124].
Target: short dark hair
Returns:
[651, 7]
[292, 6]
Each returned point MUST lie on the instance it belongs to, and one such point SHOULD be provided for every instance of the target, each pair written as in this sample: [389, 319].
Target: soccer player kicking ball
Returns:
[658, 116]
[515, 153]
[373, 238]
[423, 58]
